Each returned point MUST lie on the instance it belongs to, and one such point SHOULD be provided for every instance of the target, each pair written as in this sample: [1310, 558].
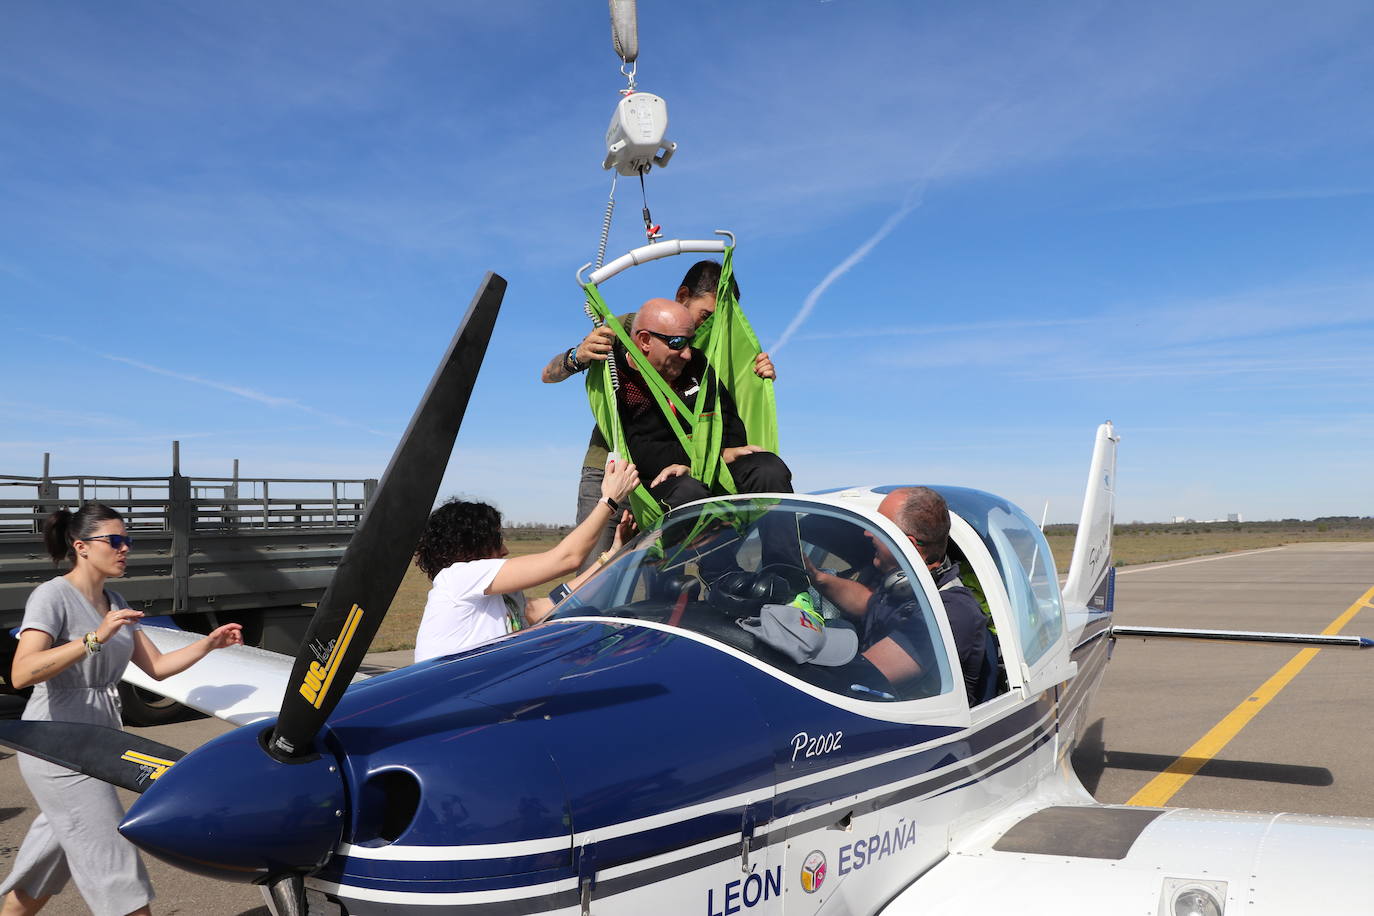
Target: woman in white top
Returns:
[477, 593]
[74, 644]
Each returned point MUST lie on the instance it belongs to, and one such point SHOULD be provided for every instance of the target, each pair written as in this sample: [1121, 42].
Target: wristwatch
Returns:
[612, 505]
[571, 362]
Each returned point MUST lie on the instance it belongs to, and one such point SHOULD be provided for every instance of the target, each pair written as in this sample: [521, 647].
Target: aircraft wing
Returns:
[239, 684]
[1103, 859]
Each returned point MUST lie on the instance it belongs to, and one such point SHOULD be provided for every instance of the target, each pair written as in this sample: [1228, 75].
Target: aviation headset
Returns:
[898, 584]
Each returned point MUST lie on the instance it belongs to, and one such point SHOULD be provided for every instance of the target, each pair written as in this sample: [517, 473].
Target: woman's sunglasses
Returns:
[671, 341]
[116, 541]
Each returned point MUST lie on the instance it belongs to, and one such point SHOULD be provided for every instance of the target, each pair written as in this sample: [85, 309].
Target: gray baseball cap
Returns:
[794, 633]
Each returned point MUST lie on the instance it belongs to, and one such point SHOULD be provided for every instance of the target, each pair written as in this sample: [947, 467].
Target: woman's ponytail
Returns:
[55, 536]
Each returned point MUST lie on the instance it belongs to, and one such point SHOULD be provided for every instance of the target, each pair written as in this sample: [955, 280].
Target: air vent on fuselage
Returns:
[386, 807]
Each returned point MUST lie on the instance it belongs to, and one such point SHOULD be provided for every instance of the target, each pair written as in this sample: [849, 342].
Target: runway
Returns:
[1307, 750]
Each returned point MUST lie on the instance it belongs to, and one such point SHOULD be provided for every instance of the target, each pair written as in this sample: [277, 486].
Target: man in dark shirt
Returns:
[662, 331]
[892, 633]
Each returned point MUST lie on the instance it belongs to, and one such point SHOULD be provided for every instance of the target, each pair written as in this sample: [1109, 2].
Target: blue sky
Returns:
[970, 232]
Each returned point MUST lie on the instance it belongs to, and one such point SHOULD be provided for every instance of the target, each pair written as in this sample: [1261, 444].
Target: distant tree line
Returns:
[534, 531]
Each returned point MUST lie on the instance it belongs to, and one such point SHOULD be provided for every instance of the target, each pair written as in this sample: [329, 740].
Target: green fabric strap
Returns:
[731, 347]
[601, 397]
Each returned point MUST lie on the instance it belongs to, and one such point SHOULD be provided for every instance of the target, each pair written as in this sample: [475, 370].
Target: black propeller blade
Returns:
[380, 551]
[108, 754]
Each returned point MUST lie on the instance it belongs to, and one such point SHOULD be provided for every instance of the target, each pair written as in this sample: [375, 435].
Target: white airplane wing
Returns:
[1101, 859]
[239, 684]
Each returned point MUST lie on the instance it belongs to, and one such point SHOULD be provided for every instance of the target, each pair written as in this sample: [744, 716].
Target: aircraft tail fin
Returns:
[1092, 578]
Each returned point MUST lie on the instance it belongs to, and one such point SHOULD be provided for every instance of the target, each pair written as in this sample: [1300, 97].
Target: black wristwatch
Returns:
[571, 362]
[612, 504]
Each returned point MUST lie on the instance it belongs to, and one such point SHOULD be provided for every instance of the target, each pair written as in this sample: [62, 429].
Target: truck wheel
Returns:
[144, 708]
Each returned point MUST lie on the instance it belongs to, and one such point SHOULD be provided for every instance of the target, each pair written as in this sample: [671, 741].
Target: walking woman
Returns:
[478, 594]
[76, 639]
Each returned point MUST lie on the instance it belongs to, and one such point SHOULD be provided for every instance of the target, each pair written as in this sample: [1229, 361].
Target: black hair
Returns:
[458, 531]
[703, 279]
[64, 527]
[924, 515]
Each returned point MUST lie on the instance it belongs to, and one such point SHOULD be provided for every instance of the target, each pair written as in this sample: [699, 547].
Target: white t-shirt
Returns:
[457, 613]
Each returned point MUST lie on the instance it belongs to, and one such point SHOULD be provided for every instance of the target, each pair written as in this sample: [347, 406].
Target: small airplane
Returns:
[642, 752]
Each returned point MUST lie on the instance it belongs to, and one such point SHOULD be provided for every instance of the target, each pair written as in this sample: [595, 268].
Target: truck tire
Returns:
[144, 708]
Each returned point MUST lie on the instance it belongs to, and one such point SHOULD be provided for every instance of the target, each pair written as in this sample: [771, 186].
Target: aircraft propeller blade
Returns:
[109, 754]
[380, 551]
[288, 895]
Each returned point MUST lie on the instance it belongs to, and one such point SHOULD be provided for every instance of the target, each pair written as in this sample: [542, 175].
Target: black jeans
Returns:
[761, 472]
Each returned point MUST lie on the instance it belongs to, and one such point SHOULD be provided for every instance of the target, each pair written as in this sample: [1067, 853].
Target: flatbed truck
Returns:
[207, 551]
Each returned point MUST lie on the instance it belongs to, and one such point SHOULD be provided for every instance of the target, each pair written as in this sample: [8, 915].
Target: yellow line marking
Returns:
[1163, 787]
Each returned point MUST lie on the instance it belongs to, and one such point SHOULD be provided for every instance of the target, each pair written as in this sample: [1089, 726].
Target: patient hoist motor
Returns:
[634, 141]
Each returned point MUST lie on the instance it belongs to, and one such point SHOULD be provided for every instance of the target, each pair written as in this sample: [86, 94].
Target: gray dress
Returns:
[74, 836]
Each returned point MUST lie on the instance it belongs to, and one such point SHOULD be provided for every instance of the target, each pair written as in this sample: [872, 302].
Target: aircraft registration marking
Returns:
[1157, 792]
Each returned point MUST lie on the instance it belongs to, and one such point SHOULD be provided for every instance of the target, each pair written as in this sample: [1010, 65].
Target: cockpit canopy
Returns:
[716, 567]
[744, 571]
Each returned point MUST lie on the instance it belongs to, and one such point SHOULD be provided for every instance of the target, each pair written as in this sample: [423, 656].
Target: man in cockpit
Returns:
[892, 634]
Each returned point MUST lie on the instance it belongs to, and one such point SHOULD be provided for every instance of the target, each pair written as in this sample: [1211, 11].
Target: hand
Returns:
[114, 621]
[231, 634]
[671, 471]
[596, 345]
[763, 367]
[624, 530]
[739, 451]
[621, 477]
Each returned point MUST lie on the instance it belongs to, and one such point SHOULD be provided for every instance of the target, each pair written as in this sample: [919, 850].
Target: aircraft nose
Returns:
[230, 811]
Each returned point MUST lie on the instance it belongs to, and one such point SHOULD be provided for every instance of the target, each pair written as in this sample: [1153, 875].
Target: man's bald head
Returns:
[664, 316]
[657, 324]
[923, 515]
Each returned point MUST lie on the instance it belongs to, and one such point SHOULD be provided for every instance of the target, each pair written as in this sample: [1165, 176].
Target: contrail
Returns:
[914, 198]
[240, 391]
[249, 393]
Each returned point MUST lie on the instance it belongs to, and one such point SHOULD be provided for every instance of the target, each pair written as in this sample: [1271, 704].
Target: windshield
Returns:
[795, 585]
[1024, 559]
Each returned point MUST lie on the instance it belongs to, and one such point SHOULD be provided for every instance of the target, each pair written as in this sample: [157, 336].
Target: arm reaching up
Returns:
[520, 573]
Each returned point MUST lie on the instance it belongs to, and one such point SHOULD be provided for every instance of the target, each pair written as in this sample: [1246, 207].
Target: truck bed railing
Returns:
[203, 545]
[205, 504]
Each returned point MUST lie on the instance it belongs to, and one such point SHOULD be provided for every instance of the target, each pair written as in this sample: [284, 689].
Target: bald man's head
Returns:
[663, 330]
[924, 516]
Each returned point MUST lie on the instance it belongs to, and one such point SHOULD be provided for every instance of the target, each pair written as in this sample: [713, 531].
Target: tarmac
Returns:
[1307, 748]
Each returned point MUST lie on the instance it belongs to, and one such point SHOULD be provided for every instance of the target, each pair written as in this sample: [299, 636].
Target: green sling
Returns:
[730, 346]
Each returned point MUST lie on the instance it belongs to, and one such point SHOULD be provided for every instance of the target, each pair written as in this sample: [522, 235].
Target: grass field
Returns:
[1131, 545]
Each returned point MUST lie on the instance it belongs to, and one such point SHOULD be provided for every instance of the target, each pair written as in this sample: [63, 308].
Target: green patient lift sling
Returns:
[730, 347]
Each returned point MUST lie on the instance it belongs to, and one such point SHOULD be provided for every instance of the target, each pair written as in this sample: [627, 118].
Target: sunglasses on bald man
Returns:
[671, 341]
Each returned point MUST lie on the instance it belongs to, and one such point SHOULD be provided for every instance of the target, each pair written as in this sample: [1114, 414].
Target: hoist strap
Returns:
[625, 30]
[731, 347]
